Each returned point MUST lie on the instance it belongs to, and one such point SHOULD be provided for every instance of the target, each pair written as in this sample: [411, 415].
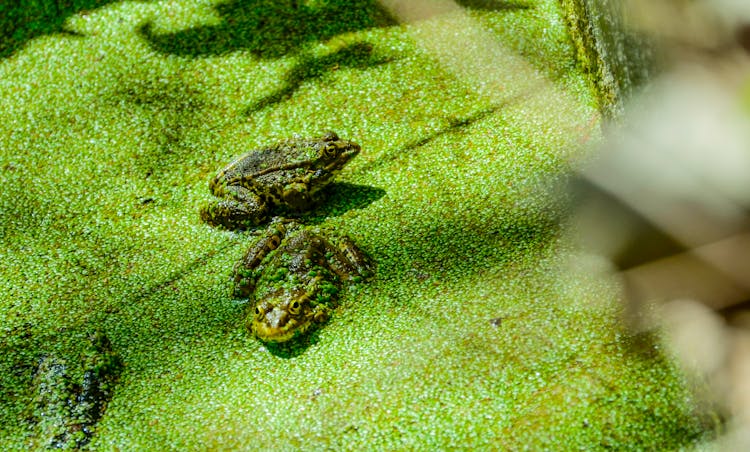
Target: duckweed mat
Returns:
[481, 328]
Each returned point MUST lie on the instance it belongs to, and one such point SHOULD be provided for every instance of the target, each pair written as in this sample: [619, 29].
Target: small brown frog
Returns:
[287, 176]
[293, 276]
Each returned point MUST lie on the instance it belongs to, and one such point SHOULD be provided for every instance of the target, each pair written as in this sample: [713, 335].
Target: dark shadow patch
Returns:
[22, 20]
[443, 250]
[294, 347]
[493, 5]
[736, 314]
[309, 68]
[173, 111]
[341, 198]
[268, 29]
[644, 345]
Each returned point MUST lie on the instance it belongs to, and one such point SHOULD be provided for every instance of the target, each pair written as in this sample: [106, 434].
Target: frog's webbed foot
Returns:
[356, 257]
[348, 261]
[319, 314]
[240, 209]
[244, 271]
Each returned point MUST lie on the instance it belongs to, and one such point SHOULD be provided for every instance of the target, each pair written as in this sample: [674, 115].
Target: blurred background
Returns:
[665, 200]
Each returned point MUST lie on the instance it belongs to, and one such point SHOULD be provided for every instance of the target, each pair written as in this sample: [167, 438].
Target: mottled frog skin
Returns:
[293, 276]
[71, 396]
[287, 176]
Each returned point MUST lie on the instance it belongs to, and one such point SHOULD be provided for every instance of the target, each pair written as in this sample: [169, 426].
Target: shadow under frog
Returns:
[341, 197]
[293, 277]
[287, 176]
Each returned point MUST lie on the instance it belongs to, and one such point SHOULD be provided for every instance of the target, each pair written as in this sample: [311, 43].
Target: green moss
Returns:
[615, 59]
[108, 137]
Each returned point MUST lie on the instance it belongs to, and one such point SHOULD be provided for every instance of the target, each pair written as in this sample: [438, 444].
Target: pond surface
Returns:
[476, 330]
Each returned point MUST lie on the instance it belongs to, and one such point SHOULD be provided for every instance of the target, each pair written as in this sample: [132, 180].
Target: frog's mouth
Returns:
[343, 158]
[277, 325]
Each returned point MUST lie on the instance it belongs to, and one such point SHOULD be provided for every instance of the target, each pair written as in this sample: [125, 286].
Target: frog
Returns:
[72, 394]
[288, 176]
[293, 276]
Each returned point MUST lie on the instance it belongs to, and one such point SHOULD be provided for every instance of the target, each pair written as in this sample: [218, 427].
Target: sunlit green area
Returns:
[477, 330]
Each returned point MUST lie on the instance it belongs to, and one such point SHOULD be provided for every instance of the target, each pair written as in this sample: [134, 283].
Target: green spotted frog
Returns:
[71, 395]
[293, 276]
[287, 176]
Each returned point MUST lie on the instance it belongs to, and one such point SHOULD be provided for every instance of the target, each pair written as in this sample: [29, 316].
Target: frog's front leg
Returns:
[297, 196]
[245, 275]
[240, 208]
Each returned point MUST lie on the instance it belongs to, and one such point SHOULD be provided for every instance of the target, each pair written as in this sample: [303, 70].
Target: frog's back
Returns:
[254, 162]
[285, 153]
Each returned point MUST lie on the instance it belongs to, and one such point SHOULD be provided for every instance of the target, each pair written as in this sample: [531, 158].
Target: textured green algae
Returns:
[109, 134]
[616, 59]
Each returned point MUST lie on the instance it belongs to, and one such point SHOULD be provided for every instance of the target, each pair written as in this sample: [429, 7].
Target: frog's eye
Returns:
[330, 150]
[261, 309]
[294, 307]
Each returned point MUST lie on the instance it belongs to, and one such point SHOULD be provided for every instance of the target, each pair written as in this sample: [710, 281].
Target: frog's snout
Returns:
[349, 153]
[276, 318]
[354, 149]
[277, 325]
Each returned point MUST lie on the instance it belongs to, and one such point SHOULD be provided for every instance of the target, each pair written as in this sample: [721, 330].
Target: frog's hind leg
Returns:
[240, 209]
[347, 260]
[244, 271]
[356, 257]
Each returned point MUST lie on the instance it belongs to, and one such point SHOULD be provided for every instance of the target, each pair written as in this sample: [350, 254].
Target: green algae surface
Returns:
[480, 330]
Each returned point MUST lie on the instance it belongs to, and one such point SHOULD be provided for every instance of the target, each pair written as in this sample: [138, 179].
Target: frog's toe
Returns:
[361, 262]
